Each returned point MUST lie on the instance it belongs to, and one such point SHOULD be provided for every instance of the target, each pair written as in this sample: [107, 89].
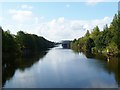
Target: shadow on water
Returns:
[111, 64]
[11, 63]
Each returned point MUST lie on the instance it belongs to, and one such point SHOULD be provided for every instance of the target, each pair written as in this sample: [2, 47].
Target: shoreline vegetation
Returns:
[21, 51]
[23, 43]
[105, 42]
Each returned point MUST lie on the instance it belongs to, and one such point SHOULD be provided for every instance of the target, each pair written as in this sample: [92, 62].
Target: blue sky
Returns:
[56, 21]
[70, 10]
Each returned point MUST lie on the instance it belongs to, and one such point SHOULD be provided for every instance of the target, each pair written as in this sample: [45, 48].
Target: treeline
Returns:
[23, 43]
[106, 41]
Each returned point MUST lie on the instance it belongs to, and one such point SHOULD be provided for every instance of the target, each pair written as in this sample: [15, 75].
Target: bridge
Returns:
[66, 44]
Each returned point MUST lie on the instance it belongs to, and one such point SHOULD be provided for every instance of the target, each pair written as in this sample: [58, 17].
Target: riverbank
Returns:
[23, 43]
[106, 41]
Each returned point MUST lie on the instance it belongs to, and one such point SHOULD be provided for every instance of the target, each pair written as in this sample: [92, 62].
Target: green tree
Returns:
[87, 33]
[9, 44]
[89, 45]
[116, 25]
[95, 33]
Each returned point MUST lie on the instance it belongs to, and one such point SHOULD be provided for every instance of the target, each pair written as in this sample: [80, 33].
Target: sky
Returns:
[56, 21]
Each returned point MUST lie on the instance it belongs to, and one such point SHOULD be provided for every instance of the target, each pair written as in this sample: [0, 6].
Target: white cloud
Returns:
[24, 16]
[56, 29]
[67, 5]
[93, 2]
[21, 15]
[1, 18]
[61, 20]
[42, 17]
[60, 29]
[26, 7]
[36, 20]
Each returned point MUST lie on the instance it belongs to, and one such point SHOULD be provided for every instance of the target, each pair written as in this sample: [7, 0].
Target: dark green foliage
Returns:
[95, 33]
[87, 33]
[116, 25]
[106, 41]
[23, 42]
[89, 44]
[9, 45]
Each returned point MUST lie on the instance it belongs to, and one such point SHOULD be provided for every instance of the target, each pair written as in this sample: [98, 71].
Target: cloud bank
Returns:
[62, 29]
[56, 29]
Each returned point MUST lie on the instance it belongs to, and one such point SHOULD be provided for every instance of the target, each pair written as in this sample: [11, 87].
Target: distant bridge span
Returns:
[66, 44]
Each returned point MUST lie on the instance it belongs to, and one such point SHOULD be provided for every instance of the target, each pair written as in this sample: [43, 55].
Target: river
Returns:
[61, 68]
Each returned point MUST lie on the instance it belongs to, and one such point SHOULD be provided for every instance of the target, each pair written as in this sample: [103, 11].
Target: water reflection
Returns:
[113, 67]
[11, 63]
[111, 64]
[62, 68]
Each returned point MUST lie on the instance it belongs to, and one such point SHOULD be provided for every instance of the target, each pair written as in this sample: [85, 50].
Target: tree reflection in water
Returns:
[107, 64]
[11, 63]
[112, 64]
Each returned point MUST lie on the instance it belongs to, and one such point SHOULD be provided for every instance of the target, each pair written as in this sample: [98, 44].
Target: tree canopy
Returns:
[23, 41]
[105, 41]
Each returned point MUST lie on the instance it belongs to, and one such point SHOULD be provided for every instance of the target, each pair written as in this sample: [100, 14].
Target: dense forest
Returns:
[23, 43]
[21, 51]
[106, 41]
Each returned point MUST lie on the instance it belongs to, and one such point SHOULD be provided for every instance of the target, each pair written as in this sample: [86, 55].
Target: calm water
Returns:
[61, 68]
